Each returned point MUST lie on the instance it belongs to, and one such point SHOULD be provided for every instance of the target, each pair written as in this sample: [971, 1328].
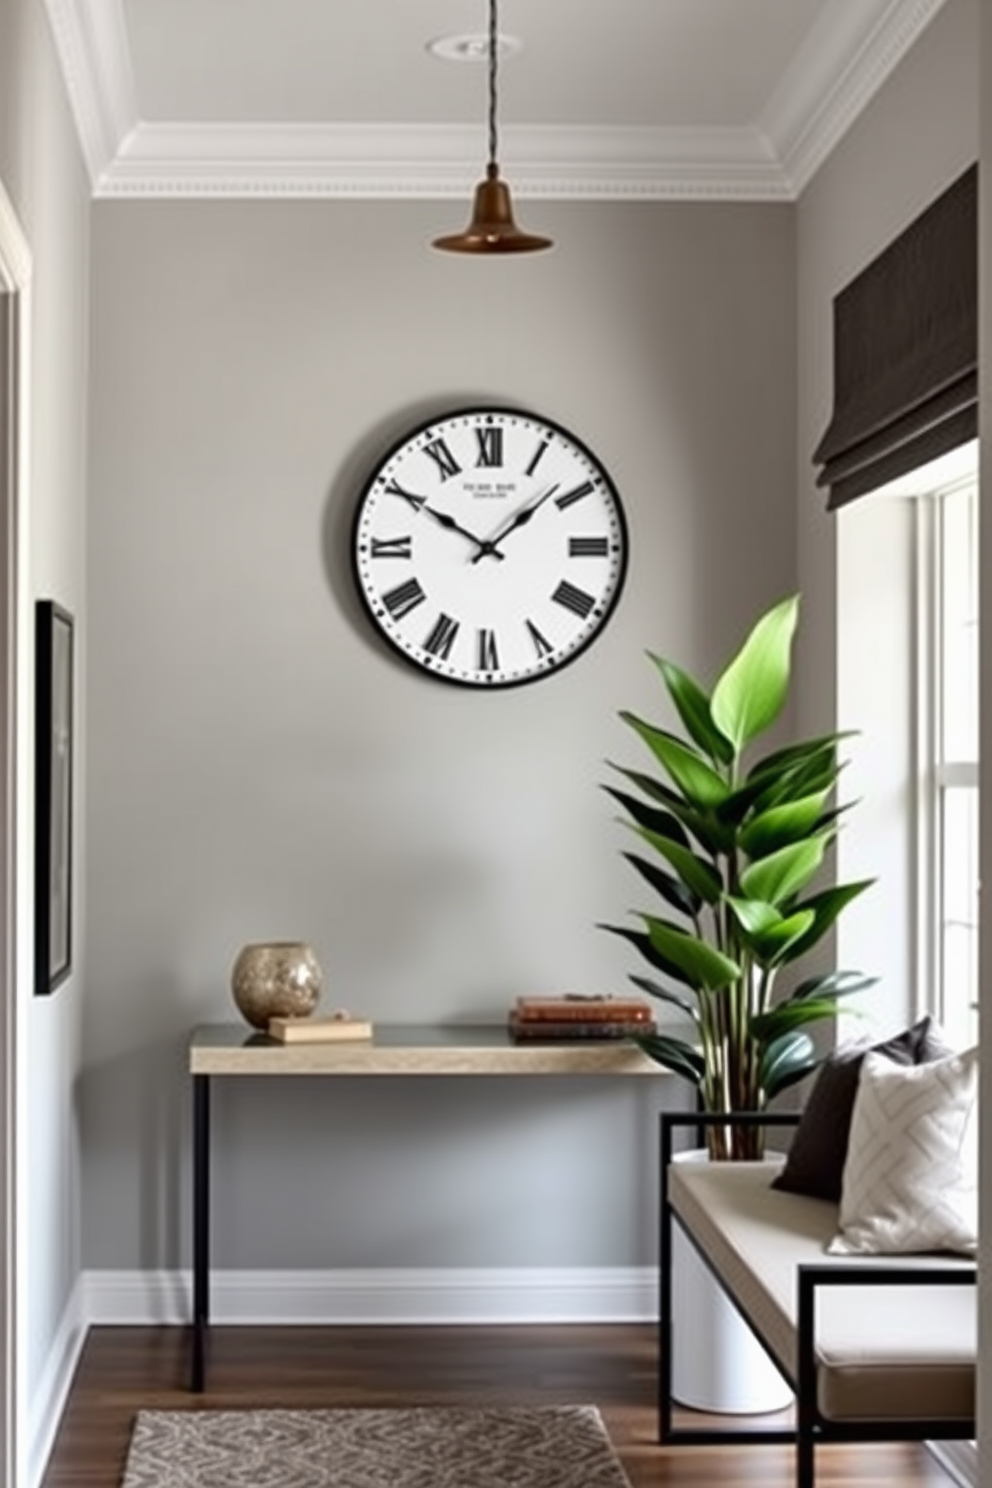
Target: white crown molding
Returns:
[91, 42]
[834, 76]
[431, 161]
[466, 1295]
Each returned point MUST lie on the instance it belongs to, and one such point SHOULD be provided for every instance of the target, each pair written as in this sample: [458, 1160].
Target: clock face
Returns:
[490, 547]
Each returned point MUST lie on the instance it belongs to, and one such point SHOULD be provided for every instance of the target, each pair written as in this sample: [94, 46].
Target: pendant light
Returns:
[492, 228]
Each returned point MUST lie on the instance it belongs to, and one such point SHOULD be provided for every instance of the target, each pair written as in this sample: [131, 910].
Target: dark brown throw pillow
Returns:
[815, 1164]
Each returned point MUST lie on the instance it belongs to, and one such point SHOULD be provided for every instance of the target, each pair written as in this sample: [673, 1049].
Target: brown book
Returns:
[572, 1029]
[319, 1030]
[583, 1010]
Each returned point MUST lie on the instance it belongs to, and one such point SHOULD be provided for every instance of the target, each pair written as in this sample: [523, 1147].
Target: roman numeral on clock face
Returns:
[568, 498]
[442, 637]
[393, 488]
[404, 598]
[443, 458]
[392, 547]
[588, 547]
[536, 456]
[541, 646]
[490, 446]
[486, 656]
[577, 600]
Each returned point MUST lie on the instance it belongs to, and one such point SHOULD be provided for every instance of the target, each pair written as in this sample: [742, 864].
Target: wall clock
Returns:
[489, 547]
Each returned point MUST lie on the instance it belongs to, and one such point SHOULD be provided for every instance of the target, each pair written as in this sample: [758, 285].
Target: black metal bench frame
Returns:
[810, 1426]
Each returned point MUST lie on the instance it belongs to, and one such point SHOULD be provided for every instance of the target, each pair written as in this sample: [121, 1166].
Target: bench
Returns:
[865, 1362]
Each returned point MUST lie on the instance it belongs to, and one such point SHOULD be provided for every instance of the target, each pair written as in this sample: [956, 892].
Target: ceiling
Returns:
[605, 98]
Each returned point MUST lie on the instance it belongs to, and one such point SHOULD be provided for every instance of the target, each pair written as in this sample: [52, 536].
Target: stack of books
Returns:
[578, 1017]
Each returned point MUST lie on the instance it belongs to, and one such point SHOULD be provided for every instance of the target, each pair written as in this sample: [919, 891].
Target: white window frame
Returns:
[935, 774]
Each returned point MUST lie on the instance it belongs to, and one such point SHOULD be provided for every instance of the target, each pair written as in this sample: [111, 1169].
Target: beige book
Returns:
[319, 1030]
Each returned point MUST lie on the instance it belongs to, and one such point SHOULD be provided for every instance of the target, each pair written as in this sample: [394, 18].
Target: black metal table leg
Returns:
[665, 1331]
[201, 1228]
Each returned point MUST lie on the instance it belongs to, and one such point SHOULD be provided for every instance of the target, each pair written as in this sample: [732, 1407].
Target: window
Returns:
[948, 839]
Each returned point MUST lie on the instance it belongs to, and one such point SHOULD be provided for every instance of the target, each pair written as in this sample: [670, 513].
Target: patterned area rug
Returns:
[550, 1447]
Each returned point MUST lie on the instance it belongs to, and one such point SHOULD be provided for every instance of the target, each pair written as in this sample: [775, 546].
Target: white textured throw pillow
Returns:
[911, 1177]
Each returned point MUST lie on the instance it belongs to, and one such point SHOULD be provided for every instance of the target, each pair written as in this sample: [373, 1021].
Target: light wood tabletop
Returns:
[413, 1049]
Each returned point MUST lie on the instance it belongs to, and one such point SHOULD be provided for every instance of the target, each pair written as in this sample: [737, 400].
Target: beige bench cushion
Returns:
[886, 1352]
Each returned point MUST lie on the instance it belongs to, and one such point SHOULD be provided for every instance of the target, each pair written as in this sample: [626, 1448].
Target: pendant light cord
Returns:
[493, 47]
[492, 228]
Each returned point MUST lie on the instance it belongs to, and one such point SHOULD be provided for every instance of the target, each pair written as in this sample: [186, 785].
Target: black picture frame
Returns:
[54, 749]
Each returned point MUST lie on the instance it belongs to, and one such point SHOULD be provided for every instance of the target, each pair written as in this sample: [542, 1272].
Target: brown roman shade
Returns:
[906, 351]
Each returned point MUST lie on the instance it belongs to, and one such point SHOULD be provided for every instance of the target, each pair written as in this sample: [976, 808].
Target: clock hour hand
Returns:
[517, 520]
[482, 544]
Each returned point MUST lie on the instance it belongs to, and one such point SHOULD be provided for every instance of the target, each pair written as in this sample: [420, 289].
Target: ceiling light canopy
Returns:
[473, 48]
[492, 228]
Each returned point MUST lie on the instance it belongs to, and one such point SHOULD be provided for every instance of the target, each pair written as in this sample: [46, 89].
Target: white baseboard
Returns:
[49, 1396]
[959, 1459]
[533, 1295]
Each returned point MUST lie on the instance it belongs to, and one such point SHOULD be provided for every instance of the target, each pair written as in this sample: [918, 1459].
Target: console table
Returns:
[416, 1049]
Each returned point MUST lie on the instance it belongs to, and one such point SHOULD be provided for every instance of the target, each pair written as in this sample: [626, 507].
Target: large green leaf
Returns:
[794, 754]
[753, 915]
[694, 776]
[832, 984]
[665, 994]
[782, 874]
[792, 1014]
[671, 889]
[792, 782]
[780, 825]
[711, 834]
[693, 708]
[656, 789]
[674, 1054]
[699, 875]
[826, 906]
[751, 692]
[833, 815]
[641, 942]
[661, 823]
[703, 965]
[785, 1061]
[773, 945]
[740, 803]
[767, 933]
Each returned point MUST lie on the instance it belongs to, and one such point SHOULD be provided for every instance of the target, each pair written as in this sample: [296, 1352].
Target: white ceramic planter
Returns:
[718, 1365]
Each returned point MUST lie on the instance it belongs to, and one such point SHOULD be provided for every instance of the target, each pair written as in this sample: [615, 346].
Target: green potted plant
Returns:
[734, 846]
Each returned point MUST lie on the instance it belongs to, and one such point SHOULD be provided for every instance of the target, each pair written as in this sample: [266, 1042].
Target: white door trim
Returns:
[15, 825]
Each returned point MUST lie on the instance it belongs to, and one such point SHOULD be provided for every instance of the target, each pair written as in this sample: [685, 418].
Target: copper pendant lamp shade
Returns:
[492, 228]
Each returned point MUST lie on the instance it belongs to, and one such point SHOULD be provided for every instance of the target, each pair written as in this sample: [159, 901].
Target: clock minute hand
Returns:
[517, 520]
[482, 544]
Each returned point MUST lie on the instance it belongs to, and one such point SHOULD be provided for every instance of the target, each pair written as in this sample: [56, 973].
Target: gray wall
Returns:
[260, 768]
[42, 173]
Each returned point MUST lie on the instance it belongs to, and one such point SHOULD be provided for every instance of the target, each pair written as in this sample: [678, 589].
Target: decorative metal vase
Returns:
[276, 979]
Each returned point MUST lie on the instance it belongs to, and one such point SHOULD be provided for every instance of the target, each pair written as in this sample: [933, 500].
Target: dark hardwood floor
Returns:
[123, 1370]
